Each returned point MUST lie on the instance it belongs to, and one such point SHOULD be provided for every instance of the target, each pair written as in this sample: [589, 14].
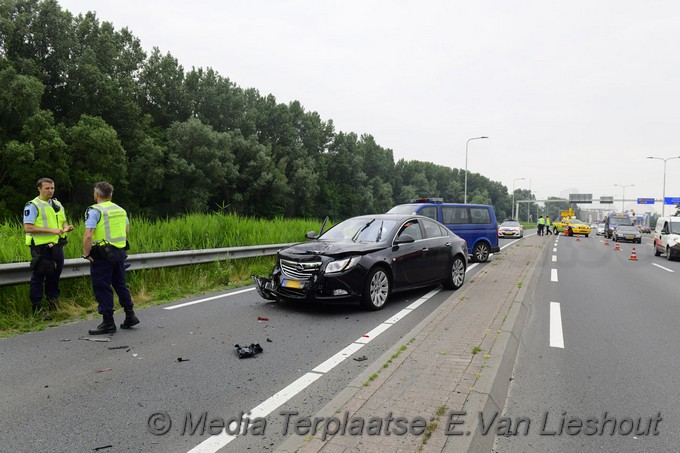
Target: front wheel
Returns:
[376, 289]
[656, 251]
[456, 277]
[586, 235]
[481, 252]
[669, 254]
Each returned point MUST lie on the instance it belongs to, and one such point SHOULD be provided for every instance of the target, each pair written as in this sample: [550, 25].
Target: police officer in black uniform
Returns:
[45, 226]
[104, 246]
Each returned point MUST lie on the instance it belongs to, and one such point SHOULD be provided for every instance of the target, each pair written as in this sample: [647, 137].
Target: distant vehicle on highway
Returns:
[510, 229]
[598, 227]
[627, 233]
[613, 220]
[667, 237]
[574, 225]
[367, 257]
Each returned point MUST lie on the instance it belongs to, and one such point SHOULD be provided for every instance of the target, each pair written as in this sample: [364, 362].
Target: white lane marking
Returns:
[199, 301]
[214, 443]
[553, 275]
[554, 250]
[338, 358]
[664, 268]
[554, 259]
[556, 337]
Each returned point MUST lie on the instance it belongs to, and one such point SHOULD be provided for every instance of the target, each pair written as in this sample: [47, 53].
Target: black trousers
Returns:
[42, 284]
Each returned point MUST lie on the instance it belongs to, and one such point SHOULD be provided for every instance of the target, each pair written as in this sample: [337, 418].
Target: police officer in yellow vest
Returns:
[45, 226]
[104, 246]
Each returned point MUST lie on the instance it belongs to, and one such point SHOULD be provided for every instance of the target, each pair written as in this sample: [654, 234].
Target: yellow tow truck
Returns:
[570, 225]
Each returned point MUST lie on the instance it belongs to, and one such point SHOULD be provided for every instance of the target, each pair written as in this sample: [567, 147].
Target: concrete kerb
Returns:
[491, 388]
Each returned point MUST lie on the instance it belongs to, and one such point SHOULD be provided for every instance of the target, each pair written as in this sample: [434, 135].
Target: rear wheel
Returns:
[656, 251]
[456, 277]
[481, 252]
[376, 289]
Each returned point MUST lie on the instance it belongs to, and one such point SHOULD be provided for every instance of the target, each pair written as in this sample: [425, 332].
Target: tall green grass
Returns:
[152, 286]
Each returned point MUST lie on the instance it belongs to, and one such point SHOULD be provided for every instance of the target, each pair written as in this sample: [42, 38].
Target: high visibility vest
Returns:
[547, 222]
[61, 215]
[111, 226]
[47, 218]
[541, 221]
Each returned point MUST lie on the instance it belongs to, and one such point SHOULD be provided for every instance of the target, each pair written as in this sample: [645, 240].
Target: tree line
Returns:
[82, 102]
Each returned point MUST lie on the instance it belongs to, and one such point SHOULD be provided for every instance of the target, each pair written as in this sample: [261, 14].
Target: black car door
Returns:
[409, 260]
[438, 256]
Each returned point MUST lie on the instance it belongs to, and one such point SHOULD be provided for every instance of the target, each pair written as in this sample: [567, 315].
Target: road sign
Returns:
[606, 200]
[671, 200]
[580, 198]
[645, 201]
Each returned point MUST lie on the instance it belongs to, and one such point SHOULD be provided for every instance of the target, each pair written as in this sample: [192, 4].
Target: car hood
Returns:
[334, 249]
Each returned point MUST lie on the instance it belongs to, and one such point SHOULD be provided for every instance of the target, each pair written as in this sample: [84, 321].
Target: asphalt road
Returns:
[614, 366]
[61, 393]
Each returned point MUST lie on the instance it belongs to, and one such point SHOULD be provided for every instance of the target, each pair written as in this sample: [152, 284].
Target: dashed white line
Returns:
[554, 249]
[554, 258]
[556, 337]
[553, 275]
[664, 268]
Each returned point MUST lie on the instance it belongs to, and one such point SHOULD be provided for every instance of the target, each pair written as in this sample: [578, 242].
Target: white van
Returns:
[667, 237]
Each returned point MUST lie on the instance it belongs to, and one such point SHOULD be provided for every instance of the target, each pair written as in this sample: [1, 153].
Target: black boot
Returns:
[130, 320]
[107, 326]
[41, 313]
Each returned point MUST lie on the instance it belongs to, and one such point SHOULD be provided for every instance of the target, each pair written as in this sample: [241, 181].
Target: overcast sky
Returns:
[573, 95]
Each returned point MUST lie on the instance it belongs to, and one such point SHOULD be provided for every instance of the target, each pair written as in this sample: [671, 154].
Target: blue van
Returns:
[476, 223]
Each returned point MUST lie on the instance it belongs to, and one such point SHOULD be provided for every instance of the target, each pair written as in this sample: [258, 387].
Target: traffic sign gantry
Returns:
[671, 200]
[645, 201]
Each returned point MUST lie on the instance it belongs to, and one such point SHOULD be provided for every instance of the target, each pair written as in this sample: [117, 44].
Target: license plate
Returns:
[293, 284]
[630, 238]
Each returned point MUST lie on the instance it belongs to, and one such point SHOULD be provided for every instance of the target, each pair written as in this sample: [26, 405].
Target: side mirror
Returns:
[311, 235]
[405, 239]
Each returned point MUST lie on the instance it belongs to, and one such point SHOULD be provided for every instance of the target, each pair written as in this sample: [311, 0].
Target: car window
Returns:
[429, 211]
[480, 215]
[360, 230]
[455, 215]
[675, 227]
[412, 228]
[432, 230]
[510, 223]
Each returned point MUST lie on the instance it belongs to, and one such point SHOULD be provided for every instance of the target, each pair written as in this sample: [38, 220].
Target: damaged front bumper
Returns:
[316, 288]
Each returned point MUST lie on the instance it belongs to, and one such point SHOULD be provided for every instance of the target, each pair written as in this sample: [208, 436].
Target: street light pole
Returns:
[513, 197]
[663, 198]
[466, 159]
[624, 194]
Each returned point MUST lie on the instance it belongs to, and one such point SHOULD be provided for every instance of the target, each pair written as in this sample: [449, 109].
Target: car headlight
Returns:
[677, 241]
[342, 265]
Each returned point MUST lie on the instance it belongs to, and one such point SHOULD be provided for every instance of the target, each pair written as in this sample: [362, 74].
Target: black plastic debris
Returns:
[118, 347]
[360, 359]
[103, 448]
[248, 351]
[269, 340]
[180, 359]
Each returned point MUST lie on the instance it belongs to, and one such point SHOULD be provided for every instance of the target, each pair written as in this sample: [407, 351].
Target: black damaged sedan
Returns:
[368, 258]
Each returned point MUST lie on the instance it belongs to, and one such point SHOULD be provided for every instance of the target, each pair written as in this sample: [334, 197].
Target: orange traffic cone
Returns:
[633, 255]
[606, 242]
[618, 247]
[577, 238]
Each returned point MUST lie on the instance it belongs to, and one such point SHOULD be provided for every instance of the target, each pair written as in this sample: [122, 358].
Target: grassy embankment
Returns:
[153, 286]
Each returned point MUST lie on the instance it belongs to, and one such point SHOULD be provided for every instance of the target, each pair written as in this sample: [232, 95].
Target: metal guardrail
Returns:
[13, 273]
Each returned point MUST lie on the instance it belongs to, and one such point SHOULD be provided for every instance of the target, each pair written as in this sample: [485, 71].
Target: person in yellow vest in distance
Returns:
[104, 246]
[45, 226]
[540, 225]
[548, 225]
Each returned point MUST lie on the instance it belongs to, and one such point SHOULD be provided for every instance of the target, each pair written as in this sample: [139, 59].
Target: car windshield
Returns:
[620, 221]
[360, 229]
[576, 222]
[628, 229]
[510, 223]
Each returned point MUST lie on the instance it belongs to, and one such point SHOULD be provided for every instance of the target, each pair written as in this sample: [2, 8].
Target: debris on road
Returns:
[179, 359]
[118, 347]
[103, 448]
[96, 339]
[260, 318]
[360, 359]
[65, 339]
[248, 351]
[269, 341]
[103, 370]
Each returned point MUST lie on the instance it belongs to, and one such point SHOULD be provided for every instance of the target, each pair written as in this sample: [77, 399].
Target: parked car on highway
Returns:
[613, 220]
[667, 237]
[598, 227]
[627, 233]
[368, 257]
[510, 229]
[475, 223]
